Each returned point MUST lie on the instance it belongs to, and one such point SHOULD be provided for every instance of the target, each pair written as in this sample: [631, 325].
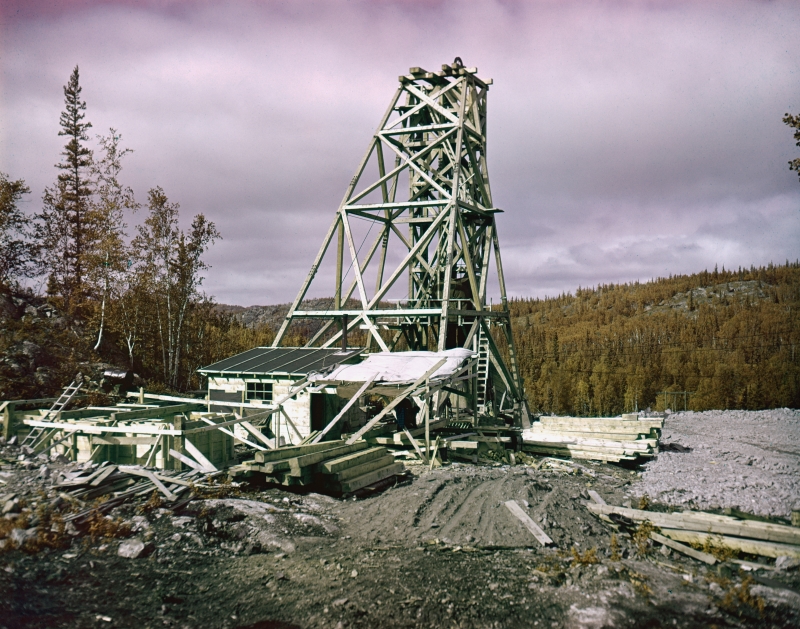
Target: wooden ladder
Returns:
[483, 369]
[34, 436]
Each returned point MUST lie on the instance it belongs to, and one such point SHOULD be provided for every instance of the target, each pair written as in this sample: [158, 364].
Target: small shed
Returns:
[263, 375]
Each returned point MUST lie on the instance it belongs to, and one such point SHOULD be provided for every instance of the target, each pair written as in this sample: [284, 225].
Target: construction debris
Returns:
[719, 531]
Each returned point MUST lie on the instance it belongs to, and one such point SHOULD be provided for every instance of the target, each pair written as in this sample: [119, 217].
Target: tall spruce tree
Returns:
[67, 230]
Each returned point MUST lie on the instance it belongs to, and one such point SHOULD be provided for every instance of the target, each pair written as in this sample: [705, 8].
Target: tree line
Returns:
[140, 294]
[711, 340]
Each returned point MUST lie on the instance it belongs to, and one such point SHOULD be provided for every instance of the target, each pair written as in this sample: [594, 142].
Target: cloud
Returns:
[627, 140]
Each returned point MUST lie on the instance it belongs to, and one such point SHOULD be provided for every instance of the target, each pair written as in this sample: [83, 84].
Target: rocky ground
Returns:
[743, 459]
[439, 549]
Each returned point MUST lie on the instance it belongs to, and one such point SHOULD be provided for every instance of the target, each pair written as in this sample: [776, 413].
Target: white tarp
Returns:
[398, 367]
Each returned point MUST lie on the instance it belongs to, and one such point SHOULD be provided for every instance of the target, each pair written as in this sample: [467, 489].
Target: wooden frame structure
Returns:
[424, 183]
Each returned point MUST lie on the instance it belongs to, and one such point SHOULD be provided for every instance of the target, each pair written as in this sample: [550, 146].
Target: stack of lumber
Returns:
[625, 438]
[330, 466]
[752, 537]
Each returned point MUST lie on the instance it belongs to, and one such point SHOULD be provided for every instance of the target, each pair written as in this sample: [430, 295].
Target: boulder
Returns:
[20, 536]
[135, 548]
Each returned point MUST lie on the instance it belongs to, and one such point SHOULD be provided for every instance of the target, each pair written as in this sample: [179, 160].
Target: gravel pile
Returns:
[744, 459]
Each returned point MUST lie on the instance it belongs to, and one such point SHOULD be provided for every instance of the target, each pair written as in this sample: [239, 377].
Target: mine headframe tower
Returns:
[424, 184]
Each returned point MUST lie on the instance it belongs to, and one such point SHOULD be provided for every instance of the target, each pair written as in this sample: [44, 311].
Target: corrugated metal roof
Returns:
[284, 360]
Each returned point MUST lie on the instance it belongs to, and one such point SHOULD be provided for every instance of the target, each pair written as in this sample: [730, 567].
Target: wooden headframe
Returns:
[424, 184]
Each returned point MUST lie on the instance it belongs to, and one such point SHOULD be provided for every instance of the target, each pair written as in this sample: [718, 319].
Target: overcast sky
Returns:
[627, 140]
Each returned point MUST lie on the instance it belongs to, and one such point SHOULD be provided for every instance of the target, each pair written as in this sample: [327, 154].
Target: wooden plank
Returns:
[346, 408]
[413, 442]
[381, 441]
[489, 439]
[104, 473]
[351, 460]
[682, 548]
[400, 437]
[186, 460]
[298, 463]
[188, 400]
[231, 434]
[559, 441]
[614, 435]
[270, 443]
[580, 454]
[596, 497]
[124, 441]
[275, 466]
[607, 425]
[529, 524]
[310, 438]
[288, 452]
[744, 515]
[463, 445]
[152, 478]
[750, 546]
[435, 459]
[208, 466]
[691, 522]
[158, 412]
[291, 424]
[369, 466]
[172, 480]
[371, 477]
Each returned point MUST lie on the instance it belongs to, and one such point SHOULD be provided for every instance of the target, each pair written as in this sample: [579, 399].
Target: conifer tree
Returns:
[66, 229]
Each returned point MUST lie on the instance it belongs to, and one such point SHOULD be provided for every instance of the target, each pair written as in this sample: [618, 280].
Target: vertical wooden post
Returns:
[178, 444]
[337, 297]
[141, 395]
[426, 410]
[8, 421]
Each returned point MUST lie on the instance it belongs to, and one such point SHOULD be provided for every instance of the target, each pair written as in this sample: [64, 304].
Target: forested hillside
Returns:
[728, 338]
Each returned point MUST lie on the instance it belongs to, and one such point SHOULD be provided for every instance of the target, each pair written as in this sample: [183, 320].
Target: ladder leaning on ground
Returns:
[35, 437]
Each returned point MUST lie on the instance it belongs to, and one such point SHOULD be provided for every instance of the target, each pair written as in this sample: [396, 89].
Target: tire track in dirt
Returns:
[461, 508]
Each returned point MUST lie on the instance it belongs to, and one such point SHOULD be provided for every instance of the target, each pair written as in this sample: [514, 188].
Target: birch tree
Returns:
[172, 266]
[108, 259]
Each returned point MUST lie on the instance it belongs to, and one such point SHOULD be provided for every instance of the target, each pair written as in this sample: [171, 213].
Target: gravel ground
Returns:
[439, 549]
[744, 459]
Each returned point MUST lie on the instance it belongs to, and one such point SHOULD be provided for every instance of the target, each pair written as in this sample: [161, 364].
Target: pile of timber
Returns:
[626, 438]
[461, 440]
[120, 483]
[749, 536]
[330, 466]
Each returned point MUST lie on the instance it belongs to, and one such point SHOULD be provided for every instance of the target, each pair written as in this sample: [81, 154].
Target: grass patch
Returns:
[588, 558]
[641, 538]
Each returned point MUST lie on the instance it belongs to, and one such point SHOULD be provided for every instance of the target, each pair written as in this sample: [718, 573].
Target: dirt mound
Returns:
[464, 505]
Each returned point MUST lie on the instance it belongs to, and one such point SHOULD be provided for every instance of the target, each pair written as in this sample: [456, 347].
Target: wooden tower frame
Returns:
[434, 133]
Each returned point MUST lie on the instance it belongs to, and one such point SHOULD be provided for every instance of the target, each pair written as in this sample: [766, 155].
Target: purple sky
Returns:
[627, 140]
